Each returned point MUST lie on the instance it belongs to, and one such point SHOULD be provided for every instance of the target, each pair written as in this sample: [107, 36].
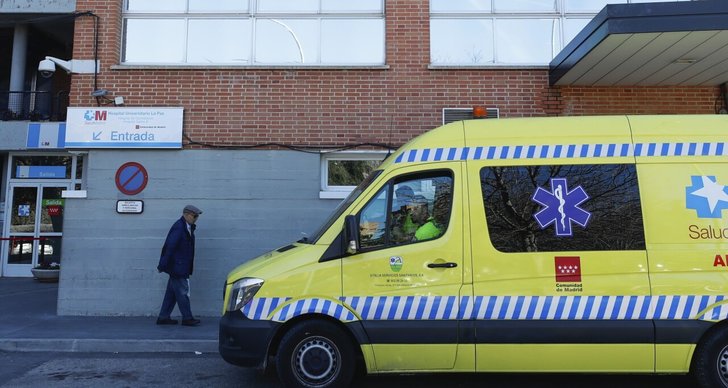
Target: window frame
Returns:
[340, 192]
[253, 16]
[389, 184]
[558, 39]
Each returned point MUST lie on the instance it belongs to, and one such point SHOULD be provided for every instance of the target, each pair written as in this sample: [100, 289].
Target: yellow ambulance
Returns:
[570, 244]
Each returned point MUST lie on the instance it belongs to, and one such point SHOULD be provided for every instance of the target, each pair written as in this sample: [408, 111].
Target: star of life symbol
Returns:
[706, 196]
[561, 207]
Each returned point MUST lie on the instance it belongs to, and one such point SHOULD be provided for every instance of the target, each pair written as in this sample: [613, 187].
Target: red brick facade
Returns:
[324, 107]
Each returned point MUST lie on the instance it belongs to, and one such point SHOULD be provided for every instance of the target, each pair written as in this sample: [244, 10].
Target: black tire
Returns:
[710, 364]
[316, 354]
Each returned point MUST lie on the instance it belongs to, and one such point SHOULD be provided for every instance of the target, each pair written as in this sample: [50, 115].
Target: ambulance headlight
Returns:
[242, 292]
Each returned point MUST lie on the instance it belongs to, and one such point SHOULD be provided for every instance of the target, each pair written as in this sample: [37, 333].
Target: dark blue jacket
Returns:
[178, 252]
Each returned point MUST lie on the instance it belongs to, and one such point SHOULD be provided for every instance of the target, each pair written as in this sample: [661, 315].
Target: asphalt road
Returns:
[110, 370]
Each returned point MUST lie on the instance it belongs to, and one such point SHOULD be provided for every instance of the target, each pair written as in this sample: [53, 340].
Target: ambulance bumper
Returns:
[244, 342]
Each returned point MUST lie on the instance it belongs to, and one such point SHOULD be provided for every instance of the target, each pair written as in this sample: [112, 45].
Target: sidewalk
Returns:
[28, 322]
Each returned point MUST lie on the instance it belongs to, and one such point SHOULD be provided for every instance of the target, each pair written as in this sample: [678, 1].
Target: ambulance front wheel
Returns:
[710, 365]
[315, 354]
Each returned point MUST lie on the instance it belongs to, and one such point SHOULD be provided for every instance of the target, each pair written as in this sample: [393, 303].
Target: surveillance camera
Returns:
[46, 68]
[100, 93]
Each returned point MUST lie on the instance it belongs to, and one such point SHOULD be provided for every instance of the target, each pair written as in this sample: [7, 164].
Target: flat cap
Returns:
[192, 209]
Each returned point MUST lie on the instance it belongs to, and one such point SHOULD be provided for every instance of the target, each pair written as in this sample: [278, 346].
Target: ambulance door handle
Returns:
[442, 265]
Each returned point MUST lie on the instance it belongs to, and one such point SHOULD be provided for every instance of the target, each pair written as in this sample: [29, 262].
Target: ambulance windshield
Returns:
[342, 206]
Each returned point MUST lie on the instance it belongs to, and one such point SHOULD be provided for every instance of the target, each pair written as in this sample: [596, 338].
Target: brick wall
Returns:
[320, 107]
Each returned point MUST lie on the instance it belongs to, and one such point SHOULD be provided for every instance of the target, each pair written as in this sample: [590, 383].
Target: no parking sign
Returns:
[131, 178]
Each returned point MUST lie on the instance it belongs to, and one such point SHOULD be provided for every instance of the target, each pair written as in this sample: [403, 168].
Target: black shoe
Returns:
[166, 321]
[190, 322]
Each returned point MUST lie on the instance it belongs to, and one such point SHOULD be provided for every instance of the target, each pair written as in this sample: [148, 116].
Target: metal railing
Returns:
[33, 106]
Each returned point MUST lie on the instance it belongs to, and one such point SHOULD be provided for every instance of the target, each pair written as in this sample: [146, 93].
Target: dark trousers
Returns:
[178, 291]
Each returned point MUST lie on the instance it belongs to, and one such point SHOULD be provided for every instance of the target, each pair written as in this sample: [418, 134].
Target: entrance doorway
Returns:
[32, 230]
[34, 226]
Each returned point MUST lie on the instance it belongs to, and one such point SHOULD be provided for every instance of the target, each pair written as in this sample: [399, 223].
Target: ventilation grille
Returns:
[456, 114]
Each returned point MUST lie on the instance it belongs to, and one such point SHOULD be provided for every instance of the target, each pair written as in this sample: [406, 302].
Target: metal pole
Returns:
[17, 68]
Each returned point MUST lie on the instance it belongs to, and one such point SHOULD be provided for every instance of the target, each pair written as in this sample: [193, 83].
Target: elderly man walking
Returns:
[177, 260]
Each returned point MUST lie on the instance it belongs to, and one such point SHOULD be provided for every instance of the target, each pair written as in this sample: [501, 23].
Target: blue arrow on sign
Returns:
[97, 136]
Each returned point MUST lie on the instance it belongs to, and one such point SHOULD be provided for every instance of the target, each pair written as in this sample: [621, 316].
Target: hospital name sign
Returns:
[98, 127]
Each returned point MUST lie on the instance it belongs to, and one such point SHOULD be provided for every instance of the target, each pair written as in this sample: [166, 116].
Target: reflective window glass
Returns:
[22, 216]
[591, 6]
[21, 250]
[219, 41]
[79, 167]
[420, 209]
[156, 5]
[349, 172]
[526, 41]
[286, 41]
[288, 6]
[507, 32]
[572, 27]
[460, 6]
[219, 5]
[461, 41]
[49, 250]
[154, 40]
[41, 167]
[311, 32]
[373, 221]
[52, 207]
[563, 208]
[352, 41]
[525, 5]
[352, 6]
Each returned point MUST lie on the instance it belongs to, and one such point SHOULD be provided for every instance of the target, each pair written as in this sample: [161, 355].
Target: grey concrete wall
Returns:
[37, 6]
[252, 202]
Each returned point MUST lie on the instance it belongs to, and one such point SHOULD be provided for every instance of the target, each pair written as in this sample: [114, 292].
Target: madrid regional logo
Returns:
[88, 115]
[706, 196]
[561, 207]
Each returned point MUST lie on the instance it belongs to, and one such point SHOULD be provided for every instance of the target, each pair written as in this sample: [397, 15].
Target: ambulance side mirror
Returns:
[351, 234]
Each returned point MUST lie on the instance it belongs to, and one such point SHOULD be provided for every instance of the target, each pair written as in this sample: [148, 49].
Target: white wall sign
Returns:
[129, 207]
[124, 128]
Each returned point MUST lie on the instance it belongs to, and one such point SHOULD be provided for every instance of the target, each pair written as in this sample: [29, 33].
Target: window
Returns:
[419, 210]
[254, 32]
[341, 172]
[41, 167]
[507, 32]
[563, 208]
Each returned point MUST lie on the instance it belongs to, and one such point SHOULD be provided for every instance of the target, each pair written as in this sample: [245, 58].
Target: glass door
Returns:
[35, 228]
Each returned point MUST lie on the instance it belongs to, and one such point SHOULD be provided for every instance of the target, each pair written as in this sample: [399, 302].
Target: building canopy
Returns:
[648, 44]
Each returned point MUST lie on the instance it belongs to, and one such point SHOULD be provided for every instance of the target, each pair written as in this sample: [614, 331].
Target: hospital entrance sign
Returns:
[98, 127]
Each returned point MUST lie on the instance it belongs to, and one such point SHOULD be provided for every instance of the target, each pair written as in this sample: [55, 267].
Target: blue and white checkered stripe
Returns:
[262, 308]
[669, 307]
[404, 307]
[268, 308]
[593, 307]
[569, 151]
